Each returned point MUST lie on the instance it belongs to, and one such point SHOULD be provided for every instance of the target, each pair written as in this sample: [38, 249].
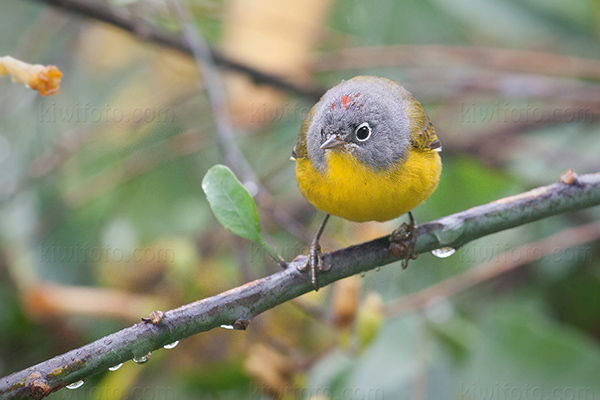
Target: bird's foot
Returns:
[403, 241]
[315, 263]
[315, 257]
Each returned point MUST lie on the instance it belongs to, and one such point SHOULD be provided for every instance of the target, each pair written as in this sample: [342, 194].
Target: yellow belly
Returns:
[353, 191]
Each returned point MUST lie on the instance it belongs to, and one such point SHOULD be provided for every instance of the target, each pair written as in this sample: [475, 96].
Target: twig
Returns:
[43, 165]
[145, 31]
[234, 157]
[494, 268]
[237, 306]
[493, 58]
[511, 73]
[138, 163]
[214, 89]
[485, 146]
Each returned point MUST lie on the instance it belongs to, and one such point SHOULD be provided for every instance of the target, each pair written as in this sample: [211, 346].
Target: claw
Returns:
[315, 257]
[315, 261]
[404, 240]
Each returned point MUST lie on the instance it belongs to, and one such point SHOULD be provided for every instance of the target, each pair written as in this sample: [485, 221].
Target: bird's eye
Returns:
[363, 132]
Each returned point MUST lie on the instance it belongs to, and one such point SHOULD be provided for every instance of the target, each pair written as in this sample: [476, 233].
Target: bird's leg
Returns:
[403, 241]
[315, 257]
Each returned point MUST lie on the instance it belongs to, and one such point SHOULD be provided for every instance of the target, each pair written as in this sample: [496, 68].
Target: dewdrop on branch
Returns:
[115, 367]
[75, 385]
[142, 359]
[171, 345]
[44, 79]
[443, 252]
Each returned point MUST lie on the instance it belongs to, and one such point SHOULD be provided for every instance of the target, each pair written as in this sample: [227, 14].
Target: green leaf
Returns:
[233, 206]
[231, 203]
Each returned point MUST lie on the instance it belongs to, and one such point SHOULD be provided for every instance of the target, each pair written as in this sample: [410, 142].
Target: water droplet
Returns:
[227, 326]
[443, 252]
[116, 367]
[171, 345]
[142, 359]
[75, 385]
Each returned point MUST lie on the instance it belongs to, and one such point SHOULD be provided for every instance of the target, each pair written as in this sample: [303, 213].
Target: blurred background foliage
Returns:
[103, 219]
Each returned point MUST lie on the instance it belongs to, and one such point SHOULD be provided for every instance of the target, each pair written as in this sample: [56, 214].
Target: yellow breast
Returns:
[355, 192]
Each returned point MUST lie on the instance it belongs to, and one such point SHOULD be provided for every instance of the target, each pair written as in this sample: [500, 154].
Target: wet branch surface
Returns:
[238, 306]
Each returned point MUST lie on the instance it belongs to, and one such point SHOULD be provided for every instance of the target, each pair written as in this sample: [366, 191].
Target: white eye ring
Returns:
[360, 133]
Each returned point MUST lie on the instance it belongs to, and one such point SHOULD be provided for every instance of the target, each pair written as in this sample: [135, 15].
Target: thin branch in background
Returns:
[467, 85]
[145, 31]
[138, 163]
[485, 146]
[501, 264]
[502, 138]
[534, 62]
[560, 93]
[514, 74]
[216, 96]
[233, 155]
[511, 73]
[48, 162]
[236, 307]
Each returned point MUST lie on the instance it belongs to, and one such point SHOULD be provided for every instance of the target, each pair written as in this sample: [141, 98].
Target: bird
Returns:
[367, 151]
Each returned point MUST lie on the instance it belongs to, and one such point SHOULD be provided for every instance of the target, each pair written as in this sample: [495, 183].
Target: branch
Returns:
[233, 156]
[146, 31]
[533, 62]
[238, 306]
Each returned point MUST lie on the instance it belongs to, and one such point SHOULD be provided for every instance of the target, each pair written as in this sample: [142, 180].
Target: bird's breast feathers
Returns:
[356, 192]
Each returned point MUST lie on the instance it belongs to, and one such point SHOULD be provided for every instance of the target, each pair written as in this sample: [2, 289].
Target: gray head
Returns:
[366, 116]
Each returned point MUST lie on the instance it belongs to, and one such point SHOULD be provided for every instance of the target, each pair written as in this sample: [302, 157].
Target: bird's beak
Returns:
[333, 142]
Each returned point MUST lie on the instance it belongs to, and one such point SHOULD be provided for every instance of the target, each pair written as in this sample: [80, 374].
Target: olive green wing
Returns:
[299, 150]
[422, 132]
[426, 139]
